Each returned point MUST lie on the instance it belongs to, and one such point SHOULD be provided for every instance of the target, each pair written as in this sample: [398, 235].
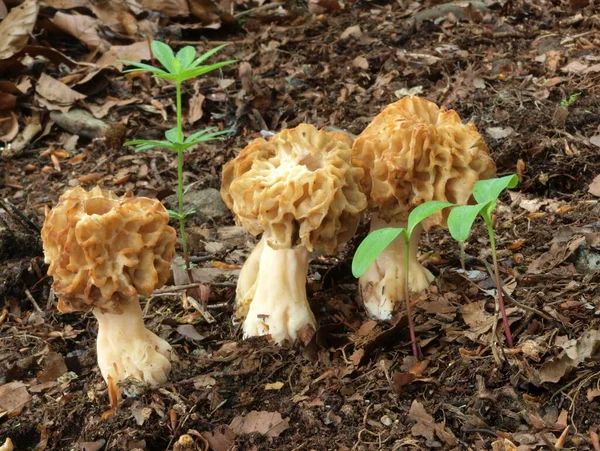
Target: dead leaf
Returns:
[189, 331]
[92, 446]
[399, 380]
[68, 4]
[9, 126]
[500, 132]
[353, 30]
[171, 8]
[141, 413]
[137, 52]
[14, 397]
[425, 423]
[574, 353]
[16, 28]
[84, 28]
[274, 386]
[56, 91]
[593, 393]
[204, 381]
[221, 439]
[269, 424]
[594, 187]
[195, 108]
[54, 367]
[564, 244]
[361, 62]
[504, 445]
[3, 10]
[7, 446]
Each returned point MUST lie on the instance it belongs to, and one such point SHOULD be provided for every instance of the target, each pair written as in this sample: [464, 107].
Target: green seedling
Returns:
[377, 241]
[570, 100]
[461, 219]
[178, 68]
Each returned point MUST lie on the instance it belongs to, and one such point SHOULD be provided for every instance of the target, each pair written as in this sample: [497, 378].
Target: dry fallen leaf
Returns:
[9, 126]
[14, 397]
[574, 353]
[171, 8]
[56, 91]
[504, 445]
[8, 445]
[16, 28]
[269, 424]
[221, 439]
[274, 386]
[360, 62]
[594, 187]
[425, 423]
[84, 28]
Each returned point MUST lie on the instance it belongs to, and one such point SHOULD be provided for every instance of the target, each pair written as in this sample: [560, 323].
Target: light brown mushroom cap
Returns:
[298, 187]
[103, 249]
[414, 152]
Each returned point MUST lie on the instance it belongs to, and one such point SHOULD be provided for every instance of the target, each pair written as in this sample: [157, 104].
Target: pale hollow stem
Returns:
[509, 338]
[411, 326]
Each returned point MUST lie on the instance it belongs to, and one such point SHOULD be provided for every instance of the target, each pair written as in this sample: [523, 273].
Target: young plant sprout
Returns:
[392, 240]
[104, 252]
[413, 152]
[460, 222]
[178, 68]
[299, 189]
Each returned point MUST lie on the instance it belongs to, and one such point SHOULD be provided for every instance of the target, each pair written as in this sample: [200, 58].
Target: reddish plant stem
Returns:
[411, 327]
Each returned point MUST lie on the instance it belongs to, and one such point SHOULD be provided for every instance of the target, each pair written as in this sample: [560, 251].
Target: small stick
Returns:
[35, 304]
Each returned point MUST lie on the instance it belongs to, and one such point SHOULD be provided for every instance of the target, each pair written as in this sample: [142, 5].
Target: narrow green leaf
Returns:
[461, 219]
[371, 247]
[164, 54]
[423, 211]
[198, 138]
[186, 56]
[173, 214]
[486, 191]
[173, 135]
[189, 211]
[197, 71]
[144, 67]
[207, 55]
[138, 142]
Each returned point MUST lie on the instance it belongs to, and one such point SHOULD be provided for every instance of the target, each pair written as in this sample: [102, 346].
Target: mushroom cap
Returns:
[414, 152]
[298, 187]
[103, 249]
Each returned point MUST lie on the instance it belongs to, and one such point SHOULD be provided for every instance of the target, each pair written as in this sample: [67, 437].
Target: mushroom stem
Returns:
[126, 349]
[382, 285]
[278, 306]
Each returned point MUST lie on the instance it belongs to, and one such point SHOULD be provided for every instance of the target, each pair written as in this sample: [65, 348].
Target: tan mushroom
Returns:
[413, 152]
[103, 253]
[300, 191]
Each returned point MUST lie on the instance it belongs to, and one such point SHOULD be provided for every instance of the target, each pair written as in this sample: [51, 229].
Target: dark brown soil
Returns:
[510, 67]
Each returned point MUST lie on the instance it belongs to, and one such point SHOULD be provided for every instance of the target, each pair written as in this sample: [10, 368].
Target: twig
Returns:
[187, 286]
[35, 304]
[205, 314]
[257, 9]
[573, 382]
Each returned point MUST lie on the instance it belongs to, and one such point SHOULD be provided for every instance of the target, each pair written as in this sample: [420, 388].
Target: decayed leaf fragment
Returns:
[84, 28]
[56, 91]
[16, 28]
[266, 423]
[574, 353]
[14, 397]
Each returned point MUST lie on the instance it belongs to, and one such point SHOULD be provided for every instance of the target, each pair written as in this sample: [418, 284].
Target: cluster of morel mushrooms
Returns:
[304, 190]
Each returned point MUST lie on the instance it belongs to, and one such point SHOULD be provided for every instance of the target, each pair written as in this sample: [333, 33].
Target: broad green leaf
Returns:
[371, 247]
[173, 135]
[207, 55]
[186, 56]
[486, 191]
[461, 219]
[423, 211]
[487, 211]
[164, 54]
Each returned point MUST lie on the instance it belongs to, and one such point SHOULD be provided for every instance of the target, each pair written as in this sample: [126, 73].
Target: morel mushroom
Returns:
[103, 253]
[411, 153]
[300, 191]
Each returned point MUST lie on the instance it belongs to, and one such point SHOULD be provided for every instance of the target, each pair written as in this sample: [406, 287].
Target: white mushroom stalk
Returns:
[298, 189]
[280, 309]
[382, 285]
[126, 349]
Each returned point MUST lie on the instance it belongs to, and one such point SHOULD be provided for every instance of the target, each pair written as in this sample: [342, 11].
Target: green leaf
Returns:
[371, 247]
[143, 67]
[186, 56]
[189, 211]
[201, 70]
[461, 219]
[206, 135]
[173, 214]
[423, 211]
[173, 135]
[486, 191]
[207, 55]
[164, 54]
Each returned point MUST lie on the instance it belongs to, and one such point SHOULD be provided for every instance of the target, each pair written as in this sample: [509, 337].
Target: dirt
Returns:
[526, 73]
